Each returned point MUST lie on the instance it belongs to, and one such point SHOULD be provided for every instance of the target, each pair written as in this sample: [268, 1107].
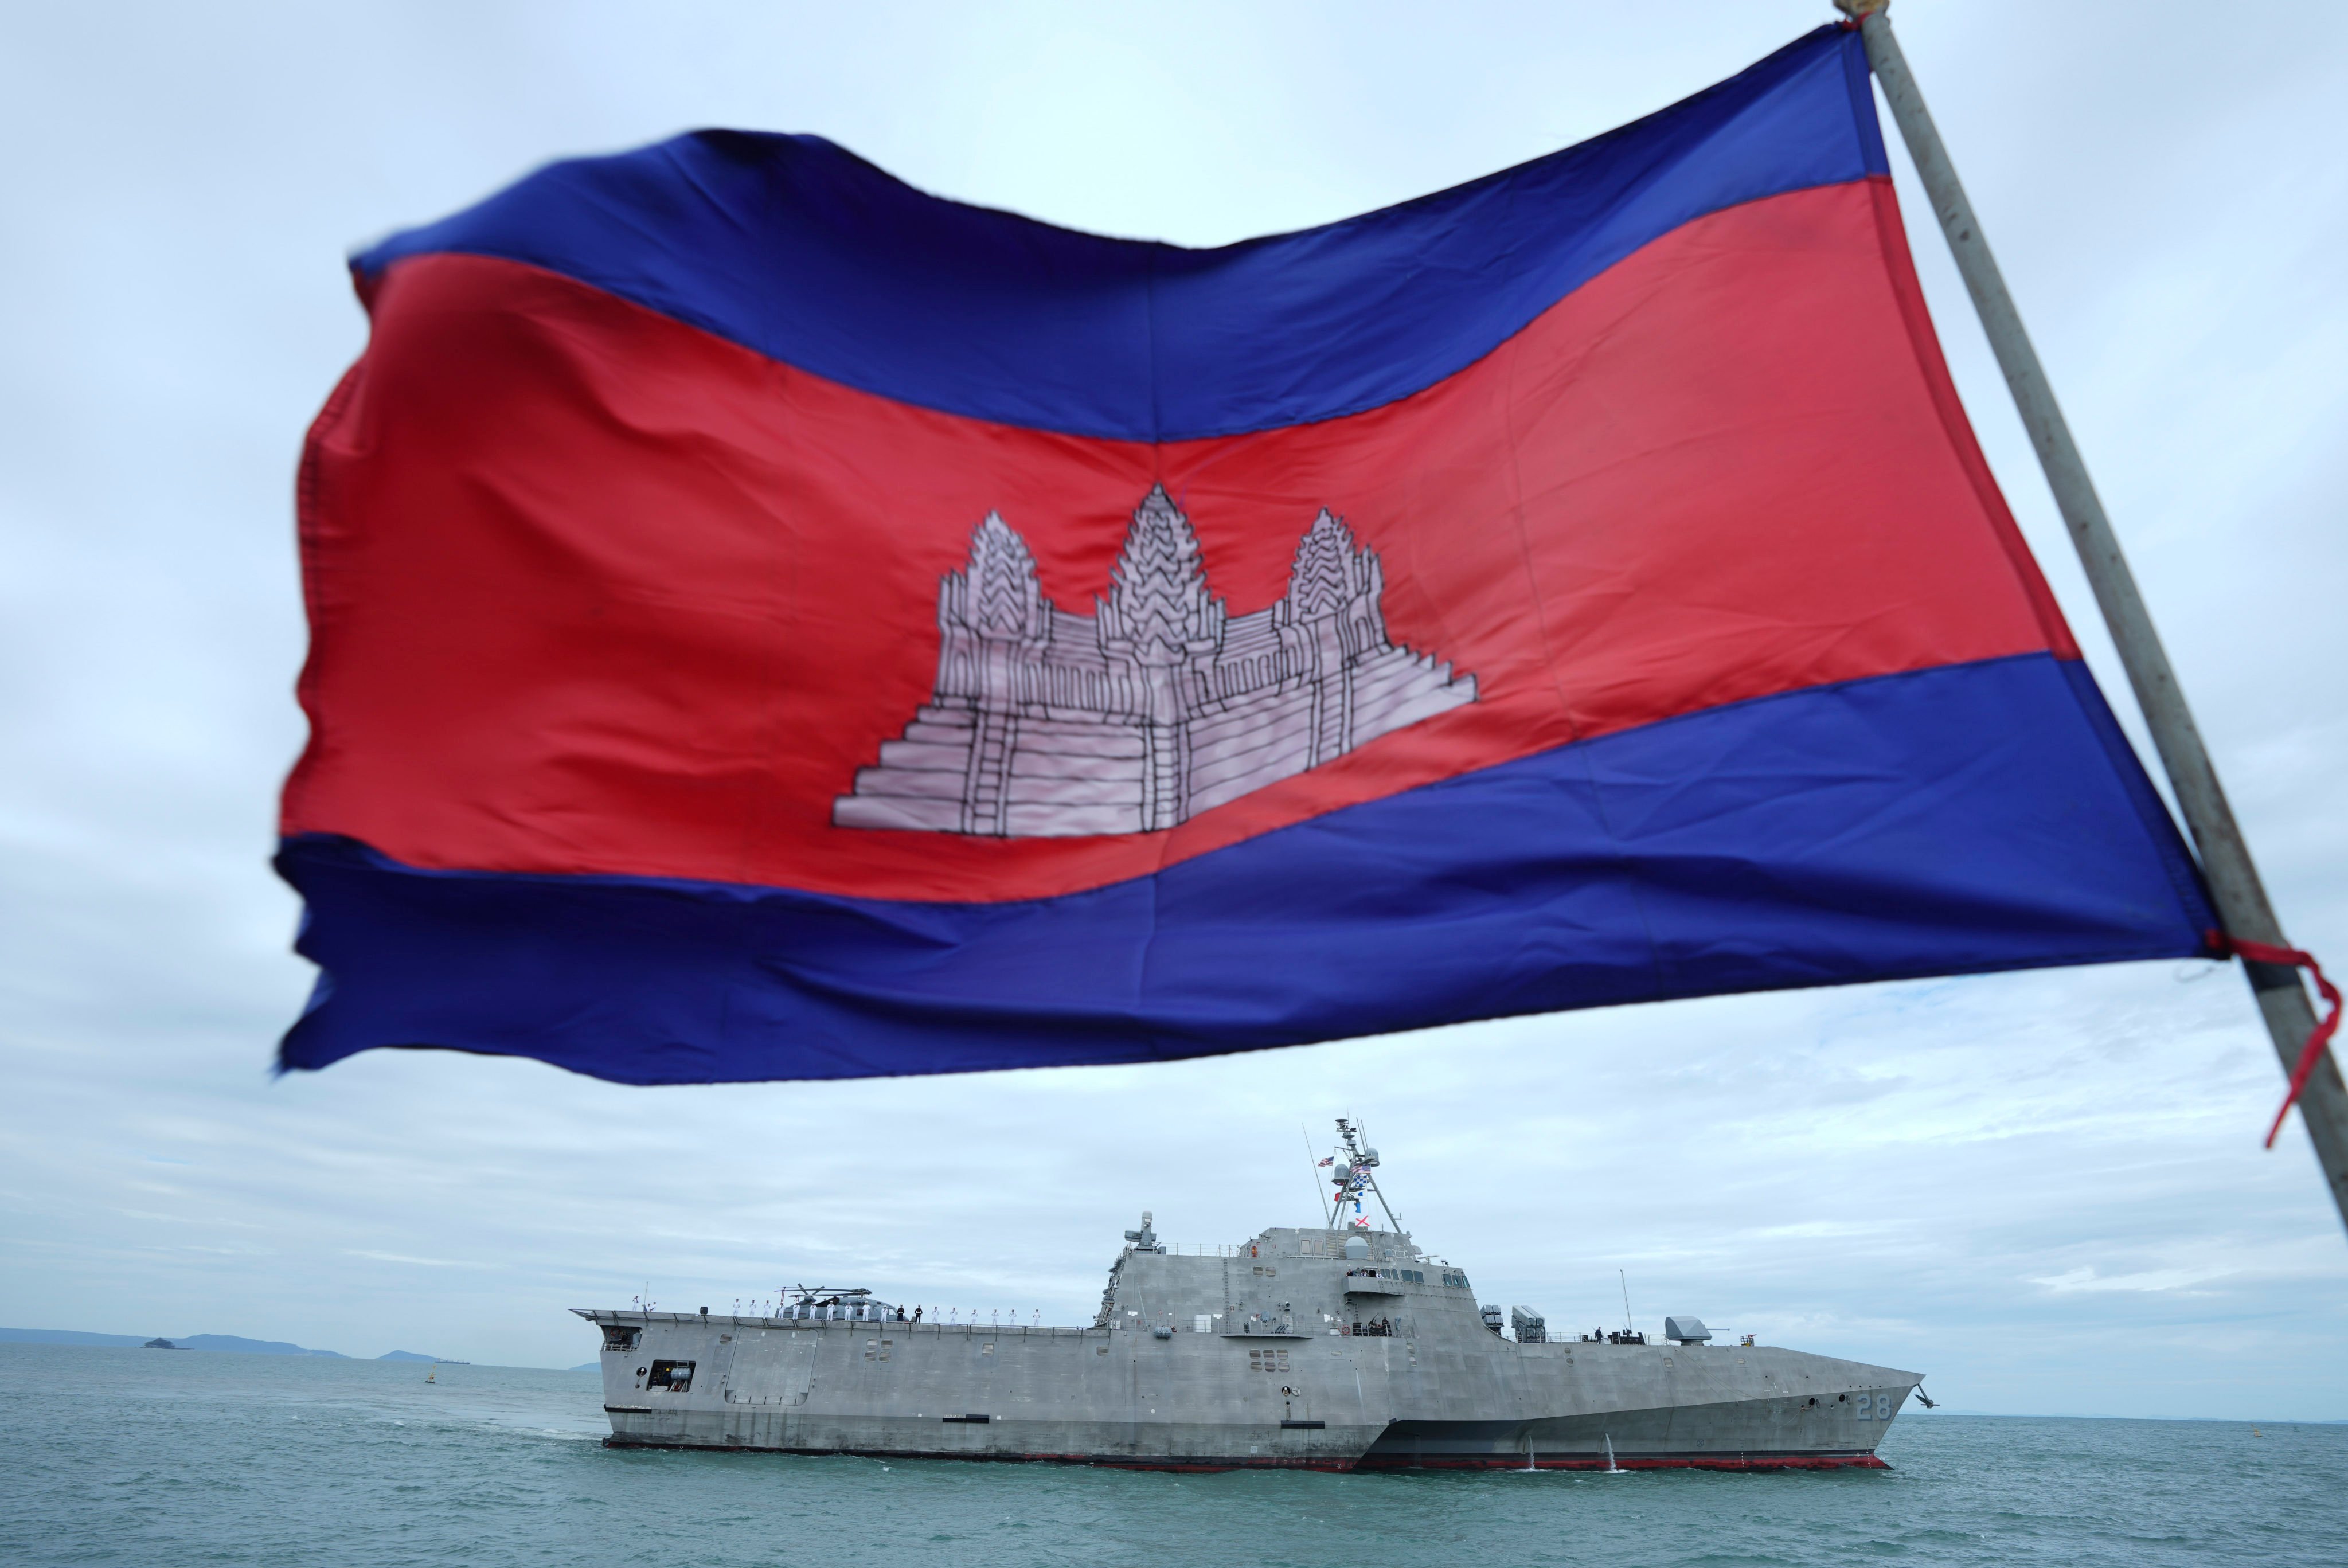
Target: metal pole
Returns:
[2225, 862]
[1312, 1169]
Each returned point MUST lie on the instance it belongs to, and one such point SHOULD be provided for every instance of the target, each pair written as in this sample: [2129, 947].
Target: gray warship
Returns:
[1340, 1347]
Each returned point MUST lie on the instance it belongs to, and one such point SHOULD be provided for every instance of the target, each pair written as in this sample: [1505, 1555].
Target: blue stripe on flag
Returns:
[801, 251]
[1950, 821]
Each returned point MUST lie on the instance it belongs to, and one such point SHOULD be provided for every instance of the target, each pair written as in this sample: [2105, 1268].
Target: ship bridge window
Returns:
[618, 1338]
[676, 1377]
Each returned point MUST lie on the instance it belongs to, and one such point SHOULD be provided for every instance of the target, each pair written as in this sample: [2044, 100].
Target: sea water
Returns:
[185, 1457]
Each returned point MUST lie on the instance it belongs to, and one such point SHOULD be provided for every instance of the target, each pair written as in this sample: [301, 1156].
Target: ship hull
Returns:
[1209, 1402]
[1008, 1451]
[1699, 1459]
[1303, 1349]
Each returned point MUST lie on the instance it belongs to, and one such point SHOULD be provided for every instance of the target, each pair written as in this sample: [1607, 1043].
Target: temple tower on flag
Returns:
[1158, 706]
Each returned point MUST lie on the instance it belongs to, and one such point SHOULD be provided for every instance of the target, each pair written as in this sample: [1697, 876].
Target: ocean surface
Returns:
[184, 1458]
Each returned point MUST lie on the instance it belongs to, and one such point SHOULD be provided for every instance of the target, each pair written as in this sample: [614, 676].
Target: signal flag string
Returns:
[2225, 946]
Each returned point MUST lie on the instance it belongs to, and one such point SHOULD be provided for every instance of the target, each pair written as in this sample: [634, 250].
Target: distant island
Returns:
[230, 1343]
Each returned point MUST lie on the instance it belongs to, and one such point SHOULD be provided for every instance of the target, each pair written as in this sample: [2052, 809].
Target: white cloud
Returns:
[2086, 1278]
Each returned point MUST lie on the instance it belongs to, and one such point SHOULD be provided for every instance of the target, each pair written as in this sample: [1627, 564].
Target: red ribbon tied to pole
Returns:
[2223, 945]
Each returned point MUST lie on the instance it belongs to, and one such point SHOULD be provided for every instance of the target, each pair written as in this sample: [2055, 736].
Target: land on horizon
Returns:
[230, 1343]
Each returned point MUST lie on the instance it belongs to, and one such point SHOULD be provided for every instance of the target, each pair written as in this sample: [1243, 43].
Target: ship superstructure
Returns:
[1341, 1346]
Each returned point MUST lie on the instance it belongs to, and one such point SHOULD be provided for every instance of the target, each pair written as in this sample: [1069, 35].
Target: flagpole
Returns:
[2226, 863]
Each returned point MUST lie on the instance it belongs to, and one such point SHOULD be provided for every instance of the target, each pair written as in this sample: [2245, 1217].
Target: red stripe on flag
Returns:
[595, 591]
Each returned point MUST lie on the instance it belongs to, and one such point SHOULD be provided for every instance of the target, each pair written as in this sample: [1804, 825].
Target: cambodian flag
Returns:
[770, 623]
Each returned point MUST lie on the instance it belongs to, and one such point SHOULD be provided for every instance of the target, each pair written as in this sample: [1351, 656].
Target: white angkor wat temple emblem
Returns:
[1155, 708]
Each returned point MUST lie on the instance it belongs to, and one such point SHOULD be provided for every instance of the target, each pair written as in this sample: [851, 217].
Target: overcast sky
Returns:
[2045, 1192]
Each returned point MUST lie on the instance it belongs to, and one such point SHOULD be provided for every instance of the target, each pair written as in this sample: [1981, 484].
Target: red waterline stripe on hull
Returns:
[1670, 1461]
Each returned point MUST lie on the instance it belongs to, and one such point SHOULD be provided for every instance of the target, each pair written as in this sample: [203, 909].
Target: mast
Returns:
[1361, 1161]
[2225, 864]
